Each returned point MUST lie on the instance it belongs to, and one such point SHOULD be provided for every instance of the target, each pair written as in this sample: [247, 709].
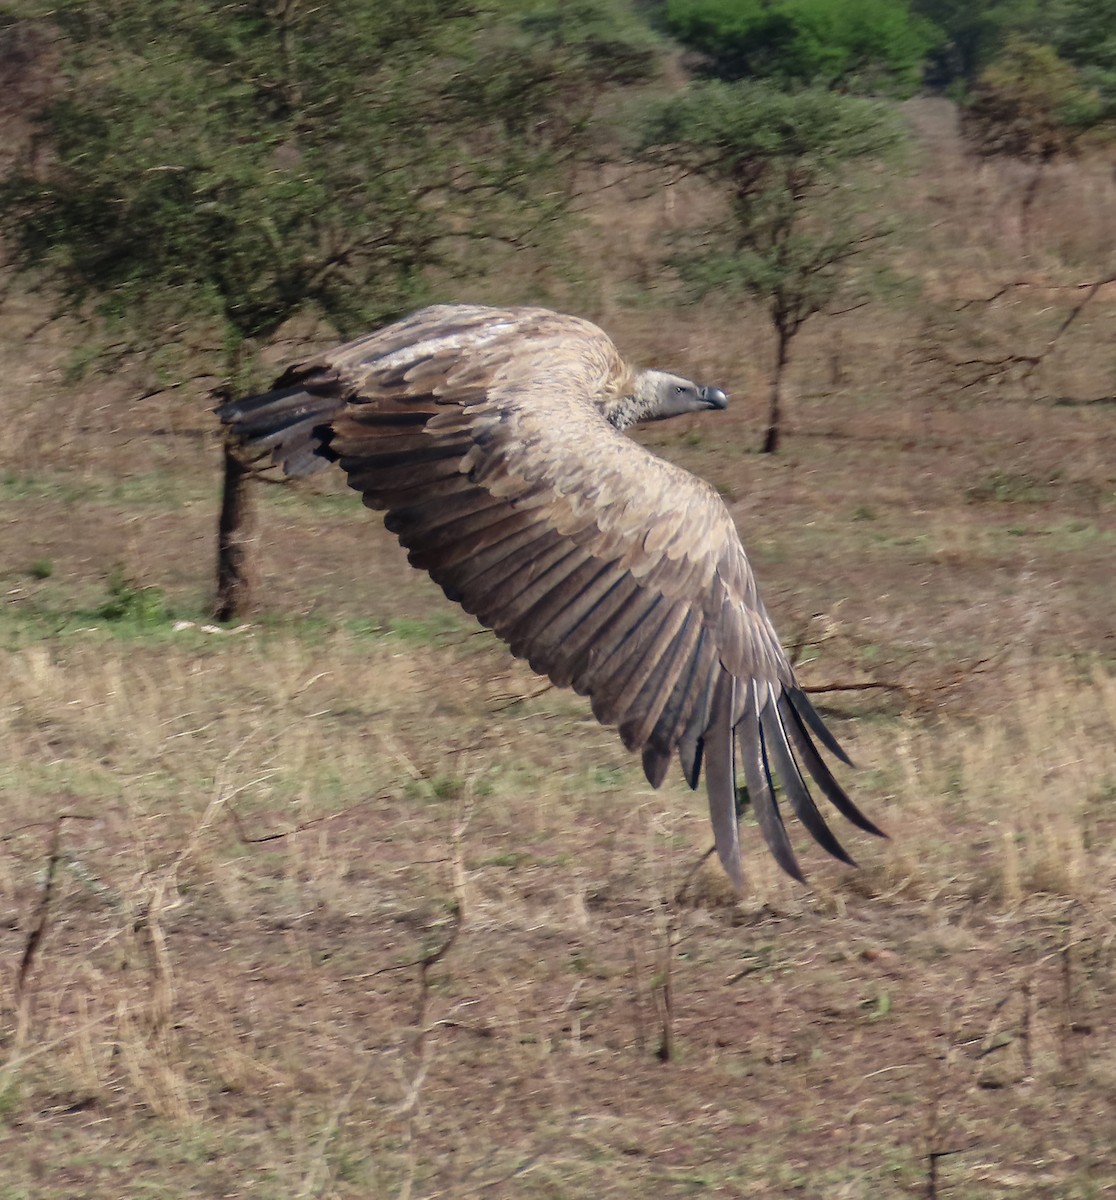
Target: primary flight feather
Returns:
[493, 440]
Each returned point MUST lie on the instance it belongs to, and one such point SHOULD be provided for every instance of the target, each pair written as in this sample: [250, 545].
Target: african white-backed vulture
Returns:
[493, 440]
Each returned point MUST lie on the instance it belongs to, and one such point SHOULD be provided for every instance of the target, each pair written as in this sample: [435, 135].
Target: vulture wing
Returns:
[481, 434]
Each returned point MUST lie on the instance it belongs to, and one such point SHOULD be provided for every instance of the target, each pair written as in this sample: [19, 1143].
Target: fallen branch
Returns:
[866, 686]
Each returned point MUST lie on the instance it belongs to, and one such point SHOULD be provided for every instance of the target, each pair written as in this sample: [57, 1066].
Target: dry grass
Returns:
[250, 1002]
[259, 998]
[344, 905]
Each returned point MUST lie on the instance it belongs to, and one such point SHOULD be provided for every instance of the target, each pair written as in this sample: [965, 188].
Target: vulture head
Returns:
[657, 395]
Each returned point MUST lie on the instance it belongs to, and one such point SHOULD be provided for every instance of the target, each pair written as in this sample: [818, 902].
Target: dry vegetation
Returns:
[344, 904]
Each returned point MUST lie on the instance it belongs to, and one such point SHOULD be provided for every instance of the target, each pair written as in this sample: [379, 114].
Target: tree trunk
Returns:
[775, 411]
[235, 541]
[1030, 195]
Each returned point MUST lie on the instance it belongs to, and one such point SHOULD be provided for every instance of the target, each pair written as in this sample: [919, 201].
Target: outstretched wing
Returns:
[481, 435]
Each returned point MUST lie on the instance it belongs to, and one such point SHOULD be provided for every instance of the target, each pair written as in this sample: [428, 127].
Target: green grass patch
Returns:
[1007, 487]
[152, 490]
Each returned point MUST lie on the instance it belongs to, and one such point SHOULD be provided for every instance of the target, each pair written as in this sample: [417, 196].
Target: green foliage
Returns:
[974, 36]
[1086, 37]
[130, 603]
[855, 45]
[1031, 104]
[745, 133]
[973, 33]
[786, 166]
[230, 165]
[781, 160]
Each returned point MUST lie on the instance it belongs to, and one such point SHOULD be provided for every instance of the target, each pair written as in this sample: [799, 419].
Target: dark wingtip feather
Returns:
[656, 763]
[690, 752]
[276, 401]
[775, 833]
[777, 749]
[290, 424]
[809, 715]
[761, 789]
[819, 772]
[720, 779]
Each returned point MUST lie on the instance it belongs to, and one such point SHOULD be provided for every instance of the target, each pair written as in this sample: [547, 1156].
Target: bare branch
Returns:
[979, 370]
[866, 686]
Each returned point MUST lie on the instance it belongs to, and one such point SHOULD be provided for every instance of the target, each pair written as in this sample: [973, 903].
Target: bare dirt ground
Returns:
[346, 904]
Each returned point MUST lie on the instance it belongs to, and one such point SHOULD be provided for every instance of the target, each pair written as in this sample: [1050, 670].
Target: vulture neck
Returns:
[626, 411]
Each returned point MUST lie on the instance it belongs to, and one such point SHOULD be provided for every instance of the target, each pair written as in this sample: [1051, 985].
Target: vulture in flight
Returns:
[493, 440]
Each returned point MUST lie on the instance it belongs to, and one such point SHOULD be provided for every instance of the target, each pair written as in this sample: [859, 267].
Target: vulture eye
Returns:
[679, 389]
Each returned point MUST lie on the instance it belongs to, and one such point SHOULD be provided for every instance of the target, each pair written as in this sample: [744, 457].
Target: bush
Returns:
[130, 603]
[854, 45]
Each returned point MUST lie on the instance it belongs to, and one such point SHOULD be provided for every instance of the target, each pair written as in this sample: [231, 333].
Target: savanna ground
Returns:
[344, 903]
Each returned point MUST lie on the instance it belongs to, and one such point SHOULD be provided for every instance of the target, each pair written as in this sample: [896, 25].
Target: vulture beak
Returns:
[714, 397]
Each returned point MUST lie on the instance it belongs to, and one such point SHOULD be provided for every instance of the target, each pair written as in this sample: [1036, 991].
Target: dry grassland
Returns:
[347, 904]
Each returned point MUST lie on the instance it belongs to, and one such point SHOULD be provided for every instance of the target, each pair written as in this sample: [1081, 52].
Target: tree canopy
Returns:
[783, 163]
[242, 162]
[852, 45]
[226, 166]
[1031, 104]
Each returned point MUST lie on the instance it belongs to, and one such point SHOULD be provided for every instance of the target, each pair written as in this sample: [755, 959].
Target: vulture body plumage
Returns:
[492, 440]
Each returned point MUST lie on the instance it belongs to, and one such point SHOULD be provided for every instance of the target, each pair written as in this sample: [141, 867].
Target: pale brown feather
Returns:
[485, 435]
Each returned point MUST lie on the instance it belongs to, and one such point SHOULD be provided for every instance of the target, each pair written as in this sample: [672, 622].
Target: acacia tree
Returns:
[1034, 106]
[865, 46]
[226, 166]
[782, 163]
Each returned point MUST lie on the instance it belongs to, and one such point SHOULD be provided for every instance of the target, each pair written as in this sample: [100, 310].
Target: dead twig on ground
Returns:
[37, 932]
[250, 840]
[664, 989]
